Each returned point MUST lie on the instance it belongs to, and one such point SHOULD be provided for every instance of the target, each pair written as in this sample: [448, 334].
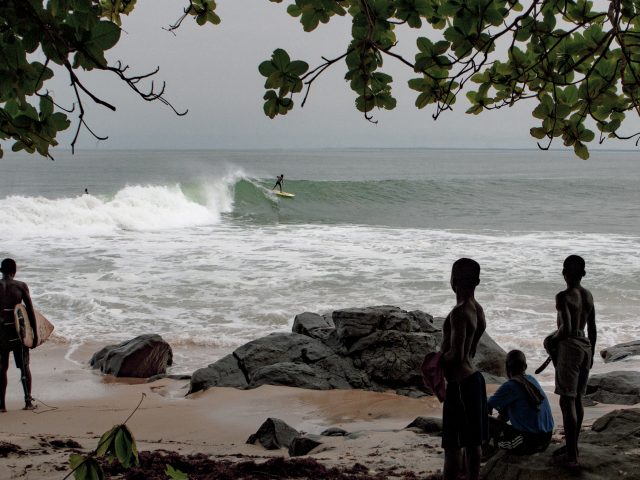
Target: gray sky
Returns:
[212, 71]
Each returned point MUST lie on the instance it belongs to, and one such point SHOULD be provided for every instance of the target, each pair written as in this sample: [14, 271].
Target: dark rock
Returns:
[413, 392]
[303, 445]
[596, 463]
[226, 372]
[334, 432]
[608, 451]
[171, 377]
[140, 357]
[354, 323]
[620, 351]
[394, 358]
[312, 325]
[490, 357]
[618, 387]
[274, 434]
[619, 427]
[289, 374]
[280, 347]
[430, 425]
[373, 348]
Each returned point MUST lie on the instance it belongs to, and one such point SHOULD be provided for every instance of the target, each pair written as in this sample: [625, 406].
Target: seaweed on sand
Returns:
[202, 467]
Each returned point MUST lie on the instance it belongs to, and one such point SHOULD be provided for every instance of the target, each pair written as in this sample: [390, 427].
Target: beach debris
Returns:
[153, 466]
[141, 357]
[7, 448]
[273, 434]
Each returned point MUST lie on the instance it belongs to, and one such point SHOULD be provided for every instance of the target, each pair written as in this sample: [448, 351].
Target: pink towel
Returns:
[433, 375]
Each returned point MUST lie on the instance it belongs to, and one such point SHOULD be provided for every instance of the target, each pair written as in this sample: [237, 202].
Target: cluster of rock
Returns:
[609, 449]
[372, 348]
[275, 433]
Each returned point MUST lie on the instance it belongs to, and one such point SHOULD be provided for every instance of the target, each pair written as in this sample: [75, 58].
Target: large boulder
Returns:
[620, 351]
[374, 348]
[141, 357]
[608, 451]
[620, 387]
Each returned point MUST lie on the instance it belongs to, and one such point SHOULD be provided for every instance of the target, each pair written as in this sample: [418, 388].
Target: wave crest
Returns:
[134, 207]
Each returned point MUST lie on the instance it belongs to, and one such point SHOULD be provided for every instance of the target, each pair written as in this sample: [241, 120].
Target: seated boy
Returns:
[521, 402]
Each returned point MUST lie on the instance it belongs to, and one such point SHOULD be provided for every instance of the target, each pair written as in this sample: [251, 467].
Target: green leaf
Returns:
[266, 68]
[94, 470]
[297, 67]
[105, 35]
[581, 150]
[538, 133]
[175, 474]
[104, 445]
[280, 59]
[46, 107]
[75, 460]
[123, 448]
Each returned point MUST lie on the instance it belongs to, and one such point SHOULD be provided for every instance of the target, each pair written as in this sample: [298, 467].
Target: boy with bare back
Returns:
[573, 353]
[464, 415]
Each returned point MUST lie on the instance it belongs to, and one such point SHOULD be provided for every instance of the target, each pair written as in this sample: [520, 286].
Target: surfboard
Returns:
[43, 326]
[284, 194]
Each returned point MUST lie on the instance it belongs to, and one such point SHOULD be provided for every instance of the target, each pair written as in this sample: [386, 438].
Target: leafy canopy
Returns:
[576, 61]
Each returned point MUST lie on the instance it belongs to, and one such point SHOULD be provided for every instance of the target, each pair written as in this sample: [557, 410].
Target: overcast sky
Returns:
[212, 71]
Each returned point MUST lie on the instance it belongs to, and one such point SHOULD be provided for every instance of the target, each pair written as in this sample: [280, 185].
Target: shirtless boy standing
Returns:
[573, 351]
[464, 415]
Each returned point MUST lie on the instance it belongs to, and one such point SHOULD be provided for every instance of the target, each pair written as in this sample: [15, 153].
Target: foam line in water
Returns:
[134, 207]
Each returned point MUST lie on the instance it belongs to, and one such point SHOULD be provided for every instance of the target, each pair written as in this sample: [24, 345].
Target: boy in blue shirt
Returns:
[522, 402]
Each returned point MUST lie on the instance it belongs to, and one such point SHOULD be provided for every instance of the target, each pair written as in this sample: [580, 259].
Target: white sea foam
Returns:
[224, 284]
[134, 207]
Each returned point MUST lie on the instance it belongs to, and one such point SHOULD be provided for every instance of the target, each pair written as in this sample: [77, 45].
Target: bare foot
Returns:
[3, 410]
[563, 460]
[30, 406]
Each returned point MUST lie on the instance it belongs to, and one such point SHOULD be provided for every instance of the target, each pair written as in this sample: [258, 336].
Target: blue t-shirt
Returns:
[511, 400]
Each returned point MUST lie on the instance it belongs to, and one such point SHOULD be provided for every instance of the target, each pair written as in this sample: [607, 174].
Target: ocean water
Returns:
[193, 245]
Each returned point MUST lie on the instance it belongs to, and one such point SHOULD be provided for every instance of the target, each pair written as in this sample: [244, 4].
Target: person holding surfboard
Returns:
[279, 180]
[12, 293]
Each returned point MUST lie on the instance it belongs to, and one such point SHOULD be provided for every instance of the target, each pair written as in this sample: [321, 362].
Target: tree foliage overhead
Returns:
[577, 62]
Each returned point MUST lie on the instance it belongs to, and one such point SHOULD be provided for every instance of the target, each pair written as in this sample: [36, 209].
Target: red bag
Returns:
[433, 375]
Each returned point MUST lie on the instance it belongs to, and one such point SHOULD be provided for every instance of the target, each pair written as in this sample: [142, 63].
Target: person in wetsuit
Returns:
[12, 293]
[279, 180]
[465, 414]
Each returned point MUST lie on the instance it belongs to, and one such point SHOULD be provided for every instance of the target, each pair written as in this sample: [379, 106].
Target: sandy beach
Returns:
[76, 403]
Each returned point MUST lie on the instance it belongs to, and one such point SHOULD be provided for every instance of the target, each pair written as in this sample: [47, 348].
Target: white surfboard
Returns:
[284, 194]
[43, 326]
